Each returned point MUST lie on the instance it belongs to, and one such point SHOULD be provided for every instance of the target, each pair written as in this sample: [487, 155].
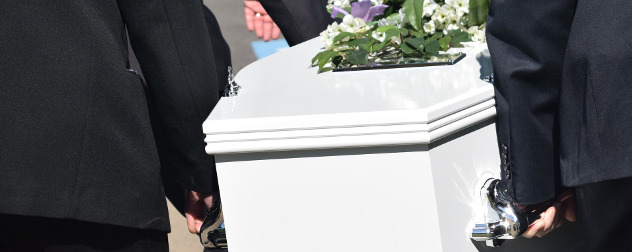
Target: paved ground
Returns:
[231, 18]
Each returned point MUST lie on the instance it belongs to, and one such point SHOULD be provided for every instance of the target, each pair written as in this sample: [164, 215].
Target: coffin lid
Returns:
[283, 104]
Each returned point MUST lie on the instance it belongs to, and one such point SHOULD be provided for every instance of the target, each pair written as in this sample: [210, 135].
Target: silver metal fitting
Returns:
[489, 78]
[507, 220]
[232, 88]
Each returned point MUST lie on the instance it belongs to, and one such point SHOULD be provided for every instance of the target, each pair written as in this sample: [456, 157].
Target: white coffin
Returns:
[380, 160]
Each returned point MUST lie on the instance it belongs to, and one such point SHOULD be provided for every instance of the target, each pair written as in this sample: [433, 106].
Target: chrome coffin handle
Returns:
[212, 232]
[232, 88]
[509, 222]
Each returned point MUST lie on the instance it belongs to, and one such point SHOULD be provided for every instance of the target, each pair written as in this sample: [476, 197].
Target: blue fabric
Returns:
[263, 49]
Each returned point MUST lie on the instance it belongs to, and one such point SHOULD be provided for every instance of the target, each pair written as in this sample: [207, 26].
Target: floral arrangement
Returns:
[374, 32]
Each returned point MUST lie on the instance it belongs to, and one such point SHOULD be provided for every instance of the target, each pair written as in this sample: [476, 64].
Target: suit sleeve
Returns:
[527, 41]
[299, 20]
[171, 42]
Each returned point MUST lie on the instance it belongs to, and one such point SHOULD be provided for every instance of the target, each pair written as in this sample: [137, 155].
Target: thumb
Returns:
[569, 204]
[571, 208]
[194, 223]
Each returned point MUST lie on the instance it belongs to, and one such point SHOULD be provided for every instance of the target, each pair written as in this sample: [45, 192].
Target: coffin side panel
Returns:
[458, 164]
[357, 199]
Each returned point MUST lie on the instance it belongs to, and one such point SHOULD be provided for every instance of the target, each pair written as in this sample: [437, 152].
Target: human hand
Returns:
[563, 208]
[258, 20]
[194, 210]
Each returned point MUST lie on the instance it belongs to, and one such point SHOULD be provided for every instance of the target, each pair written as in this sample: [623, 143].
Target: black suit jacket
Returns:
[299, 20]
[221, 54]
[76, 134]
[563, 91]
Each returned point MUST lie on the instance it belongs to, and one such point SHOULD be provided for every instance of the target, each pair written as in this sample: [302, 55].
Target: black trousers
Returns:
[604, 213]
[34, 234]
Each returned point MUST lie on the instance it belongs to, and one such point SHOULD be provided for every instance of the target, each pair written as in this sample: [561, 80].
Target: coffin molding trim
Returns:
[330, 134]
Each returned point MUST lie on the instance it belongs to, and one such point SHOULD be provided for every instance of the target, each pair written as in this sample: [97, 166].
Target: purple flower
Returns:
[335, 10]
[361, 9]
[365, 11]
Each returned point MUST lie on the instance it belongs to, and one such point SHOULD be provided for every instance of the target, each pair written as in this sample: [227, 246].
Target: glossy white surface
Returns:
[458, 167]
[345, 200]
[383, 160]
[346, 136]
[374, 199]
[284, 84]
[291, 107]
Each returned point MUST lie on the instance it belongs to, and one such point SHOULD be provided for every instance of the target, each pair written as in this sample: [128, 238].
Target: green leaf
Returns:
[435, 36]
[342, 36]
[432, 47]
[458, 37]
[324, 58]
[406, 49]
[478, 12]
[359, 57]
[361, 43]
[414, 10]
[379, 46]
[417, 34]
[386, 28]
[445, 42]
[372, 23]
[389, 32]
[403, 31]
[317, 57]
[417, 43]
[326, 69]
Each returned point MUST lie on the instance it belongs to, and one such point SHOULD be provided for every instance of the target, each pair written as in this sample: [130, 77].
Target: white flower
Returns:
[403, 19]
[381, 36]
[390, 20]
[349, 24]
[430, 27]
[395, 19]
[461, 6]
[441, 14]
[377, 2]
[453, 16]
[352, 25]
[340, 3]
[344, 4]
[325, 38]
[396, 40]
[429, 8]
[477, 33]
[328, 35]
[451, 27]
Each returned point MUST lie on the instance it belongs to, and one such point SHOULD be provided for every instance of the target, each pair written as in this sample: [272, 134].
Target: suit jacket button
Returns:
[507, 171]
